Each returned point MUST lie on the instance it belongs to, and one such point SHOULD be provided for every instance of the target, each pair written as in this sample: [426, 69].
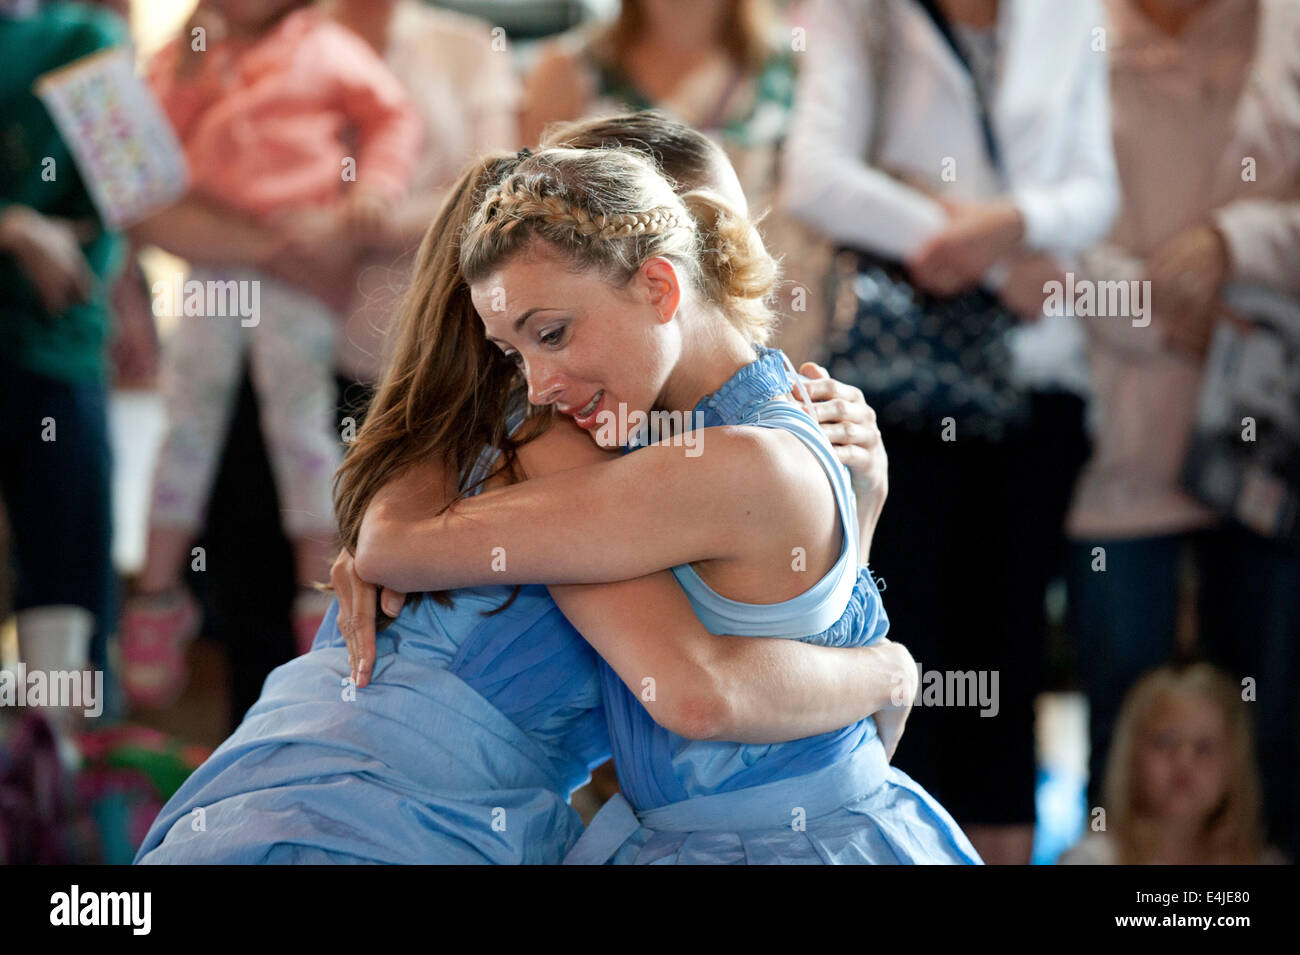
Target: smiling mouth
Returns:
[586, 410]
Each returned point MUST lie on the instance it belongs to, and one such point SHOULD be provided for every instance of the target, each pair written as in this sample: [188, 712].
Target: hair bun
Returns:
[742, 273]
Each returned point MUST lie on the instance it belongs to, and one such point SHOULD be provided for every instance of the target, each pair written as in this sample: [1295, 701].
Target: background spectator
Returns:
[1181, 784]
[57, 264]
[1207, 138]
[966, 139]
[724, 67]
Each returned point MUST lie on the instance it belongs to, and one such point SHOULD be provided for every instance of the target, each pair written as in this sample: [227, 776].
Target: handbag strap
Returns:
[936, 14]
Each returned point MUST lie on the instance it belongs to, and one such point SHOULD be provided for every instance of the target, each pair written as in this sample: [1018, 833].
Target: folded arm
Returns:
[718, 686]
[613, 520]
[692, 682]
[198, 231]
[1076, 207]
[827, 180]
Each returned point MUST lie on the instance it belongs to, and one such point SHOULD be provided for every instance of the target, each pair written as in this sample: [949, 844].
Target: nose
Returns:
[1185, 756]
[544, 383]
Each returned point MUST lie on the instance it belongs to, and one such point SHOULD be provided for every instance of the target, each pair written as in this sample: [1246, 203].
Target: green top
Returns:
[70, 346]
[761, 120]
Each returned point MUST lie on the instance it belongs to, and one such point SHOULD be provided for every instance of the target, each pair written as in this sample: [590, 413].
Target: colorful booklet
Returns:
[119, 136]
[1244, 457]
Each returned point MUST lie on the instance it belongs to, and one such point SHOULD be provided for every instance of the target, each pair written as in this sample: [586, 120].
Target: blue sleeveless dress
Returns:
[831, 798]
[465, 747]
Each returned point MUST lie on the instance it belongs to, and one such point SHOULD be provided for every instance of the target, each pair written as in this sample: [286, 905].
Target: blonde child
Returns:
[293, 123]
[1181, 785]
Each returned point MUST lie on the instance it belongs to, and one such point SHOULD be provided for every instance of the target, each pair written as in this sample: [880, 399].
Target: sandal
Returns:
[156, 632]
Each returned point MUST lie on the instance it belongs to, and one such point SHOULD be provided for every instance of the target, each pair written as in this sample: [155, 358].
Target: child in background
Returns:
[1182, 787]
[292, 121]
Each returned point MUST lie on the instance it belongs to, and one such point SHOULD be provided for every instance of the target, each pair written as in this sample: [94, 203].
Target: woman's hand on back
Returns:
[850, 425]
[358, 600]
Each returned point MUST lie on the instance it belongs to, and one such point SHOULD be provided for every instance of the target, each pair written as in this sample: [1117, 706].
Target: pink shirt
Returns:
[468, 96]
[266, 124]
[1186, 112]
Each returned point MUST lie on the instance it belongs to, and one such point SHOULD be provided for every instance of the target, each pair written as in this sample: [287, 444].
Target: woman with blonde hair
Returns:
[484, 712]
[619, 301]
[1182, 786]
[724, 67]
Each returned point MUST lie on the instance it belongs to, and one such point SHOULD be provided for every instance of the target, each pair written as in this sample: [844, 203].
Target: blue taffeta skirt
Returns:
[415, 768]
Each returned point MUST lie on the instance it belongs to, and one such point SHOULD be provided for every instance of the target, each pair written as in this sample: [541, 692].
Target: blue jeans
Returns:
[1124, 622]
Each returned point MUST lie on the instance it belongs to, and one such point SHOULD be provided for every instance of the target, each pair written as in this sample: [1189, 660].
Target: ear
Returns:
[658, 285]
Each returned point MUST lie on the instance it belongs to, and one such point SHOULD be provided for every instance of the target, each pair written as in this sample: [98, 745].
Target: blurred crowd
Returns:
[930, 169]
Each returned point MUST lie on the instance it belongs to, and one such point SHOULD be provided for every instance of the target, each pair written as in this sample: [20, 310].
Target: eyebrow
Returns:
[523, 319]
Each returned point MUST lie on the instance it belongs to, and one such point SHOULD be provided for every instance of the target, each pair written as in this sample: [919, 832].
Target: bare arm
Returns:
[199, 232]
[704, 686]
[613, 520]
[555, 90]
[718, 686]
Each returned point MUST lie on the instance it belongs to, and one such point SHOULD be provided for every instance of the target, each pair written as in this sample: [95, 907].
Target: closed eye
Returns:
[513, 357]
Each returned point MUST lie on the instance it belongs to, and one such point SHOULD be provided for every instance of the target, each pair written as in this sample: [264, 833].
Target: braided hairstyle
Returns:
[609, 210]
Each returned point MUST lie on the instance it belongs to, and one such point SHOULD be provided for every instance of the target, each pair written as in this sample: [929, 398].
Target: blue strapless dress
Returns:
[463, 760]
[464, 748]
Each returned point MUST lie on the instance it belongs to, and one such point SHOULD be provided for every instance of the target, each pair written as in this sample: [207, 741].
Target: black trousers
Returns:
[970, 536]
[249, 586]
[55, 481]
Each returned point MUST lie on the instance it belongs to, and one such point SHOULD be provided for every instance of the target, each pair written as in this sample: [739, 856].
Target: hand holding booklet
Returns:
[119, 136]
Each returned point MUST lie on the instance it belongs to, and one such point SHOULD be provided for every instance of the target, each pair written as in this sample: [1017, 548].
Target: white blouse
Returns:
[1049, 108]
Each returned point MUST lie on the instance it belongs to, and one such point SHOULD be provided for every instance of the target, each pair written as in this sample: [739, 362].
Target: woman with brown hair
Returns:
[623, 303]
[484, 710]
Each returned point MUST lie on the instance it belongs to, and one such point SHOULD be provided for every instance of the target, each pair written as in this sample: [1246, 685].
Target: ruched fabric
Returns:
[829, 799]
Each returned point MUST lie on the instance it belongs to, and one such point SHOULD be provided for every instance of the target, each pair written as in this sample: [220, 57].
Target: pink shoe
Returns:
[309, 610]
[156, 633]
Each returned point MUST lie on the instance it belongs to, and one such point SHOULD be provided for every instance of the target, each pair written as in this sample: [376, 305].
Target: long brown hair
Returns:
[446, 392]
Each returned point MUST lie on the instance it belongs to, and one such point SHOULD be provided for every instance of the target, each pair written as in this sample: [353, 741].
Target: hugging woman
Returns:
[484, 708]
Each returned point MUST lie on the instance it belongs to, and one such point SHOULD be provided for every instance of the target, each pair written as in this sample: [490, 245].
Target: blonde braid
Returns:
[609, 210]
[510, 203]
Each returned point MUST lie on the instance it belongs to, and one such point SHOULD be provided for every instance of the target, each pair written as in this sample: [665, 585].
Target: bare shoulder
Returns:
[771, 459]
[761, 473]
[560, 447]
